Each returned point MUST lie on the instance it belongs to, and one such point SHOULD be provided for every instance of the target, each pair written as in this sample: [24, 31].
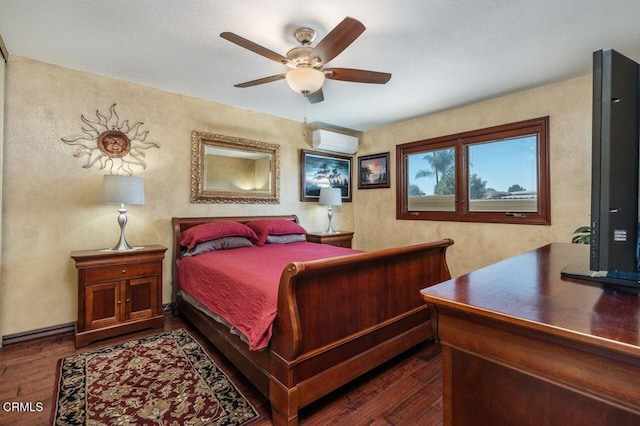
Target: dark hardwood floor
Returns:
[405, 391]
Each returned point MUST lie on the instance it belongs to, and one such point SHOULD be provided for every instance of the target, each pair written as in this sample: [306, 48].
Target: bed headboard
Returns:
[183, 223]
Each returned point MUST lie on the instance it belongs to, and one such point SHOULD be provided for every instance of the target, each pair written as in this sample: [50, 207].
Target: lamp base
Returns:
[111, 250]
[330, 229]
[122, 244]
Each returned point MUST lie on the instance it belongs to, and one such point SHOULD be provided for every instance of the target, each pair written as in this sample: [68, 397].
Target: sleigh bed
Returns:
[335, 318]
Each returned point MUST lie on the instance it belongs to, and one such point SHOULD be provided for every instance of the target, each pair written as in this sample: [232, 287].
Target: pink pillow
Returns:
[265, 227]
[212, 230]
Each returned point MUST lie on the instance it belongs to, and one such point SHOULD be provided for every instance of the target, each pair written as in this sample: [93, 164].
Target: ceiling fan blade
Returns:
[256, 48]
[316, 96]
[338, 39]
[260, 81]
[357, 76]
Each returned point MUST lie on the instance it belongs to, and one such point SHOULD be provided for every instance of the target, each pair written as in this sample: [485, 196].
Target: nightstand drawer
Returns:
[345, 244]
[124, 271]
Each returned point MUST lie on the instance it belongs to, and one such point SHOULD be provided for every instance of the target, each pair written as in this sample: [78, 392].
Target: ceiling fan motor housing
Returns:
[302, 55]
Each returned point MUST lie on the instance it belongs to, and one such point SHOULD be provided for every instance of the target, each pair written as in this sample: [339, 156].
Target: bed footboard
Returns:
[340, 317]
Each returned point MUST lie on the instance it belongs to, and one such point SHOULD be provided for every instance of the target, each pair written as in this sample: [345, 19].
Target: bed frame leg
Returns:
[279, 419]
[284, 404]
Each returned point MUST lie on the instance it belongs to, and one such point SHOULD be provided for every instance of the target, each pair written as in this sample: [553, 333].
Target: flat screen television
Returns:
[614, 251]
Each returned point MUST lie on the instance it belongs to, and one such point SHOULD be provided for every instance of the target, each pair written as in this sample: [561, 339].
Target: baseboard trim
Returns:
[38, 333]
[53, 330]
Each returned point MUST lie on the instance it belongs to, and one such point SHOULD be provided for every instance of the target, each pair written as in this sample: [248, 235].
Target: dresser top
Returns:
[104, 253]
[527, 290]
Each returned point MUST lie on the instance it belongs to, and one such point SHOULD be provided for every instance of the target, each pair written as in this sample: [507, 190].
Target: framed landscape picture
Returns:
[321, 169]
[373, 171]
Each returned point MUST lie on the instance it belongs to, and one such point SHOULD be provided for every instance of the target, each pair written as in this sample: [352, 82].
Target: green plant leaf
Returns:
[582, 229]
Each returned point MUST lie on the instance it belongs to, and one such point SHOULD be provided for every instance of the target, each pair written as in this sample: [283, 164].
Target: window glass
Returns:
[503, 175]
[432, 180]
[498, 174]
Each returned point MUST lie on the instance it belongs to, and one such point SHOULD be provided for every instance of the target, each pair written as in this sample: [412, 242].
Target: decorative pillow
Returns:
[285, 239]
[213, 230]
[265, 227]
[224, 243]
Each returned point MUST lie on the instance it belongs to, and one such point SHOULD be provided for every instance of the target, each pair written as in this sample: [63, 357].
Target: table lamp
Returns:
[122, 190]
[330, 197]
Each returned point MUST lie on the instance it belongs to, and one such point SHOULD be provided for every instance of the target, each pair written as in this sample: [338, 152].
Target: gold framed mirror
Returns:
[226, 169]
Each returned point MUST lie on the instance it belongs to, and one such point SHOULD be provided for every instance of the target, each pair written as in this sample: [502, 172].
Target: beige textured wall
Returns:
[51, 202]
[568, 104]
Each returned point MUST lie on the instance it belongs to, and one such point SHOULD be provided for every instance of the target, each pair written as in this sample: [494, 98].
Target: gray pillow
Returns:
[224, 243]
[285, 239]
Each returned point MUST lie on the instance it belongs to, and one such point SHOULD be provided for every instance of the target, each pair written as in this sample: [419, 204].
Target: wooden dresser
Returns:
[118, 292]
[522, 346]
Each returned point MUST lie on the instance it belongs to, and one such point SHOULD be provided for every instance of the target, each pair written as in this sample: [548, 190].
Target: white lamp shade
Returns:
[330, 197]
[305, 80]
[122, 190]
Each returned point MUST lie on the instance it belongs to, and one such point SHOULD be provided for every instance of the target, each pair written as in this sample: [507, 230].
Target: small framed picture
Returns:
[373, 171]
[318, 169]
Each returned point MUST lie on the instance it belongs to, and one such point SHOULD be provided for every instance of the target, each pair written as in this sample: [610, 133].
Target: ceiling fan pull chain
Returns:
[305, 112]
[304, 106]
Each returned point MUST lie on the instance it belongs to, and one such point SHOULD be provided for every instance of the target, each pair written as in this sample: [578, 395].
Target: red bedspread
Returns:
[241, 285]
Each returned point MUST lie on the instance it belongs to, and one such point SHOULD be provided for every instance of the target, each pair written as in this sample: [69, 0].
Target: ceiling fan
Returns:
[307, 73]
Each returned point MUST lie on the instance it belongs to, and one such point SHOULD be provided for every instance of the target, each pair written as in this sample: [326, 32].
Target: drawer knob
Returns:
[128, 300]
[124, 271]
[119, 302]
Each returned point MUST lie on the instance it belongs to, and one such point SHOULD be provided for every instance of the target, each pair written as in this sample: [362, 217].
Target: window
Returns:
[498, 174]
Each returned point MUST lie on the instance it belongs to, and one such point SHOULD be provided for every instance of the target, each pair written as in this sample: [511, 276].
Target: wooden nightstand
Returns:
[118, 292]
[340, 239]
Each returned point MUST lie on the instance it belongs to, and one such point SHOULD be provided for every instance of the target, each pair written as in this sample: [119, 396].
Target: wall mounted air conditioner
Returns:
[336, 142]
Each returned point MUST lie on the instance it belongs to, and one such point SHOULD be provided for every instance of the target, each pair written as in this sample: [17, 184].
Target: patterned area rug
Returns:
[163, 379]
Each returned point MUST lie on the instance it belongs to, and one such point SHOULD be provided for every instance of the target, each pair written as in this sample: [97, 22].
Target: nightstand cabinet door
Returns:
[118, 292]
[102, 305]
[141, 298]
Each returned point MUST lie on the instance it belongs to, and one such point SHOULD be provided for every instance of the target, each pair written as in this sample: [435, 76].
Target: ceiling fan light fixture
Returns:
[305, 80]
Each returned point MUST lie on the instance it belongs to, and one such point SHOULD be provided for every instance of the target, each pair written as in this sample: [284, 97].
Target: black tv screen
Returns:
[614, 180]
[613, 255]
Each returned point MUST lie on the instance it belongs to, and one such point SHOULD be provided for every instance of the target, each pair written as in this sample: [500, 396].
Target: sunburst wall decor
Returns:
[111, 143]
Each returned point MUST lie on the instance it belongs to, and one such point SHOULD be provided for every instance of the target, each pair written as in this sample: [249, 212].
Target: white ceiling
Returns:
[442, 53]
